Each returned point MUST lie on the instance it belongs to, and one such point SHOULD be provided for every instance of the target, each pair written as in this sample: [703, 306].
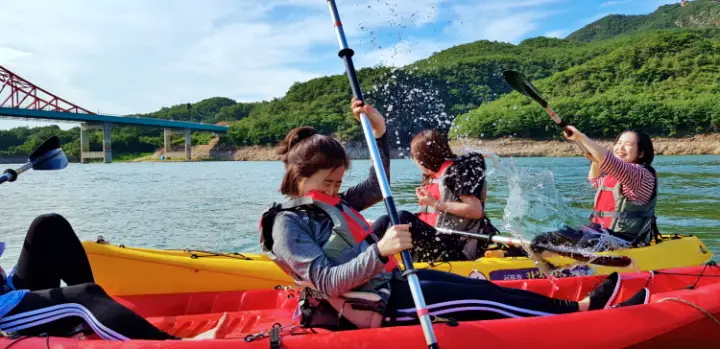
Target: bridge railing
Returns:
[149, 117]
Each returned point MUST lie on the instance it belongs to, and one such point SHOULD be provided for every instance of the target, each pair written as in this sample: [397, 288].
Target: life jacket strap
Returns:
[427, 209]
[290, 204]
[360, 309]
[624, 215]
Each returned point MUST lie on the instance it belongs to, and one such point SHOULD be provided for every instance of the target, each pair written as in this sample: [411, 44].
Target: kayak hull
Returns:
[673, 319]
[136, 271]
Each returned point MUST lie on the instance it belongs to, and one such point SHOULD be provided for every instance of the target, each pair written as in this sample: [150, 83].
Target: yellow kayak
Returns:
[134, 271]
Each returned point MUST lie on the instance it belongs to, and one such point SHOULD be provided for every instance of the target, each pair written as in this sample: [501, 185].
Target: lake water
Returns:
[216, 205]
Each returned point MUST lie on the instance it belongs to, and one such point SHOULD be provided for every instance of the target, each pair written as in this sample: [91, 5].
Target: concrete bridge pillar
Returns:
[84, 143]
[85, 153]
[168, 132]
[167, 142]
[188, 144]
[107, 144]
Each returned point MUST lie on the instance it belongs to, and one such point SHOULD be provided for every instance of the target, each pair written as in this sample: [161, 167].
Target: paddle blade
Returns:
[519, 83]
[49, 145]
[515, 80]
[49, 156]
[592, 258]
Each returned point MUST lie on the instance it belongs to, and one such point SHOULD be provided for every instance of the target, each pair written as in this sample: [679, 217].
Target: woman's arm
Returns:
[638, 182]
[368, 193]
[597, 151]
[469, 207]
[594, 171]
[465, 178]
[595, 175]
[293, 243]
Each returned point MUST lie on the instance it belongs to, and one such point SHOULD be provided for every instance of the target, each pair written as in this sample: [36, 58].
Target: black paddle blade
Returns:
[519, 83]
[49, 156]
[604, 260]
[49, 145]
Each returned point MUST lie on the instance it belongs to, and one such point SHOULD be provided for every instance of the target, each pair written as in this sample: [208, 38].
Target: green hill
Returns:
[698, 14]
[665, 82]
[657, 71]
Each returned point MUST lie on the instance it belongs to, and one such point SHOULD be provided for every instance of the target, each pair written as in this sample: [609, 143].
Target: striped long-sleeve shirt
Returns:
[638, 183]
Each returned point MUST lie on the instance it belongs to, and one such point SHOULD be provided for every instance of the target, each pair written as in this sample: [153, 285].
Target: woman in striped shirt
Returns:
[626, 185]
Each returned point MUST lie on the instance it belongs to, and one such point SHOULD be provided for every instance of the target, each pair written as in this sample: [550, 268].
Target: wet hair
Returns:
[430, 148]
[645, 147]
[305, 152]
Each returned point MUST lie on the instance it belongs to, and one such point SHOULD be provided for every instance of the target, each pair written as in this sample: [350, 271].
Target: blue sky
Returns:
[135, 56]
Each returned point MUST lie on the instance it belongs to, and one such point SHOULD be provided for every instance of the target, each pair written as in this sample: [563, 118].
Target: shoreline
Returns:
[705, 144]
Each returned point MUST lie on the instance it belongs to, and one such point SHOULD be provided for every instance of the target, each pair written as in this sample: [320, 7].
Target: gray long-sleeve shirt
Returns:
[298, 240]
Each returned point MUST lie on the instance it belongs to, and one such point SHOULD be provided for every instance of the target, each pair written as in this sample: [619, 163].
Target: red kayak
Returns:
[683, 313]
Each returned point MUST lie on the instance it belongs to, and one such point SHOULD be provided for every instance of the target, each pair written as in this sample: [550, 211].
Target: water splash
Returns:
[535, 206]
[411, 102]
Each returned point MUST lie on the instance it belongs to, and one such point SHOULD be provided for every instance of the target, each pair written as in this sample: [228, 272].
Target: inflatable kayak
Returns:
[137, 271]
[683, 313]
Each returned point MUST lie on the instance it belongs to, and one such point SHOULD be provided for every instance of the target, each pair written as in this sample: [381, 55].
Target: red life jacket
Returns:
[428, 214]
[605, 201]
[350, 227]
[614, 211]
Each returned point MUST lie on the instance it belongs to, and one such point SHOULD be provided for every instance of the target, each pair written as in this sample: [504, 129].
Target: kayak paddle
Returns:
[346, 54]
[519, 83]
[593, 258]
[47, 157]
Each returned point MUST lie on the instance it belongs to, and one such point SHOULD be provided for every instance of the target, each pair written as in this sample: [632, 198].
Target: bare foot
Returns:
[212, 333]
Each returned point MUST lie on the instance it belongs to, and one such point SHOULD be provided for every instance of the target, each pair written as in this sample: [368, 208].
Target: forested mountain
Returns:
[659, 72]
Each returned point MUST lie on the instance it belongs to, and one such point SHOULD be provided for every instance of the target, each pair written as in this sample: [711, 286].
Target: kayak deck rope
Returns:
[193, 253]
[687, 302]
[236, 255]
[701, 275]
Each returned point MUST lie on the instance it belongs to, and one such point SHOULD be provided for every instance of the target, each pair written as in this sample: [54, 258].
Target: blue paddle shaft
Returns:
[346, 54]
[12, 175]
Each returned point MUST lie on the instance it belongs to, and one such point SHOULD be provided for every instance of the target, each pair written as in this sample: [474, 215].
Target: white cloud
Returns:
[556, 34]
[8, 54]
[136, 56]
[508, 20]
[594, 18]
[615, 2]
